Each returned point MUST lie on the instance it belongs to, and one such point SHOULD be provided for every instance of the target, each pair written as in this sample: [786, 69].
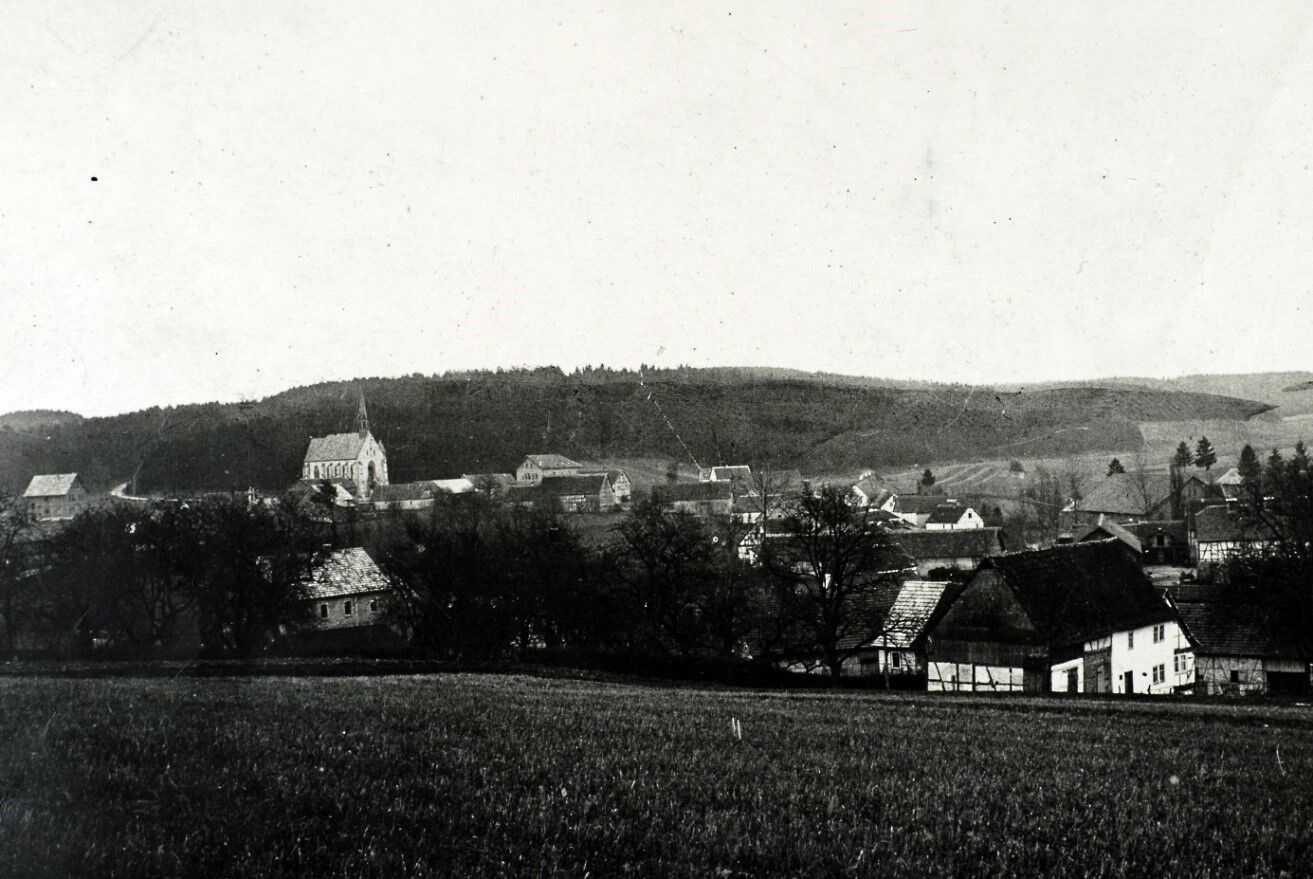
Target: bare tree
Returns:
[831, 564]
[16, 564]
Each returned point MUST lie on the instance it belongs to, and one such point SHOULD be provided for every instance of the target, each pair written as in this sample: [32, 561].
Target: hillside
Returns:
[443, 425]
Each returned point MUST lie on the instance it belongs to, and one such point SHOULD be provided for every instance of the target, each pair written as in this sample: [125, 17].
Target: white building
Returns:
[355, 457]
[535, 468]
[951, 517]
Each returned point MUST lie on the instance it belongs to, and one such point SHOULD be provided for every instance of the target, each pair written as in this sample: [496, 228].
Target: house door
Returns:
[1073, 680]
[1129, 678]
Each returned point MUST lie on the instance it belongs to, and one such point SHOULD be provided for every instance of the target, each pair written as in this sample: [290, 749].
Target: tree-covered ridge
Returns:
[436, 426]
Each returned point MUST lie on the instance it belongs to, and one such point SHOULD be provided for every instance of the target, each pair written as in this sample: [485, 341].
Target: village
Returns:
[1130, 598]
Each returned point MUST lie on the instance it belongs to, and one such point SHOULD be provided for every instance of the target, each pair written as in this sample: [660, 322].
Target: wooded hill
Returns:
[441, 426]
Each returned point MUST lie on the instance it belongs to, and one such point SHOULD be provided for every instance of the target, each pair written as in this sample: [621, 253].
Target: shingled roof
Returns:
[962, 543]
[919, 504]
[1105, 528]
[946, 514]
[346, 572]
[334, 447]
[1081, 591]
[1120, 494]
[1226, 523]
[51, 485]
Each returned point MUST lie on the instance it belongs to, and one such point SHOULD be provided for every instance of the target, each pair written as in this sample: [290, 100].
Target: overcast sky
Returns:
[205, 201]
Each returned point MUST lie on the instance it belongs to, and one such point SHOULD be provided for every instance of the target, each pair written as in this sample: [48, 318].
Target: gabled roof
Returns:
[51, 485]
[1172, 528]
[334, 447]
[1081, 591]
[549, 461]
[1230, 477]
[402, 491]
[1218, 624]
[907, 619]
[1106, 528]
[974, 543]
[612, 475]
[346, 572]
[876, 494]
[1119, 494]
[731, 472]
[947, 514]
[452, 486]
[694, 491]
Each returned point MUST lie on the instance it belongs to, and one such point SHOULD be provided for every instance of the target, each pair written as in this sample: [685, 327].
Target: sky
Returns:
[216, 201]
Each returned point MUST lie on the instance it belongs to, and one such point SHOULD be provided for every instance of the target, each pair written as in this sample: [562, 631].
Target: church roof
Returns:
[334, 447]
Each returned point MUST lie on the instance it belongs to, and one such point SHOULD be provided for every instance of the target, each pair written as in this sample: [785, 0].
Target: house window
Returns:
[1235, 675]
[1176, 664]
[1159, 673]
[1130, 640]
[347, 608]
[896, 659]
[1159, 632]
[373, 605]
[323, 611]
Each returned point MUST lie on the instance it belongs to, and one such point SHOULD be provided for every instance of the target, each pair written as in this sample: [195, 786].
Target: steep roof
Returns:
[1230, 477]
[1119, 494]
[907, 619]
[51, 485]
[1081, 591]
[334, 447]
[946, 514]
[694, 491]
[956, 544]
[549, 461]
[1106, 528]
[346, 572]
[1219, 625]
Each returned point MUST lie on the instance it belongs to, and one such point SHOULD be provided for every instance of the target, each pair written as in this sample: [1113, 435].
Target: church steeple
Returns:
[362, 418]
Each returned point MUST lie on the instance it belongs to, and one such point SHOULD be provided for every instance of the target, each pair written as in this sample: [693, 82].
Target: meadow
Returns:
[486, 775]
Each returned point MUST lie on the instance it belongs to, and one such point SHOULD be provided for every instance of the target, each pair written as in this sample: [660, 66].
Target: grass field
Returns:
[497, 775]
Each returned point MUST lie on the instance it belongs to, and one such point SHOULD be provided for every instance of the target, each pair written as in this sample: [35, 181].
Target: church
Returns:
[356, 460]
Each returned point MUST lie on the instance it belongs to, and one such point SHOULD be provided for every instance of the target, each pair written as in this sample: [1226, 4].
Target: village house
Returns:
[712, 498]
[953, 517]
[567, 494]
[1230, 483]
[738, 473]
[535, 468]
[358, 458]
[1106, 528]
[939, 553]
[619, 481]
[56, 496]
[1235, 646]
[1083, 617]
[346, 598]
[899, 649]
[1221, 532]
[1120, 497]
[1162, 541]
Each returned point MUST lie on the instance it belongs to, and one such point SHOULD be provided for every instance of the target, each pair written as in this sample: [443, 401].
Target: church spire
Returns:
[362, 418]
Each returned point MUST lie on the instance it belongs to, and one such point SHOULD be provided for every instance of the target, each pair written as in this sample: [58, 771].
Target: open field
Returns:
[485, 775]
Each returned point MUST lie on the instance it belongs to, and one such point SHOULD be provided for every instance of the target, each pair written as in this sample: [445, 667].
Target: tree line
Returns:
[471, 578]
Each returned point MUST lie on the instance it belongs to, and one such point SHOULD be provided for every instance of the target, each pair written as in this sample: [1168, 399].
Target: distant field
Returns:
[481, 775]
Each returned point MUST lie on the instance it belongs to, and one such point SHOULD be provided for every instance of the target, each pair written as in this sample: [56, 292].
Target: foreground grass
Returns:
[491, 775]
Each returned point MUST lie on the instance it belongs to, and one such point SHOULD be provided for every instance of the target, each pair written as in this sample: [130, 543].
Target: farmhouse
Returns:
[567, 494]
[1162, 541]
[1221, 532]
[952, 517]
[1082, 617]
[1121, 497]
[55, 496]
[535, 468]
[619, 481]
[714, 498]
[1230, 483]
[1236, 646]
[899, 650]
[871, 495]
[347, 591]
[355, 457]
[937, 552]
